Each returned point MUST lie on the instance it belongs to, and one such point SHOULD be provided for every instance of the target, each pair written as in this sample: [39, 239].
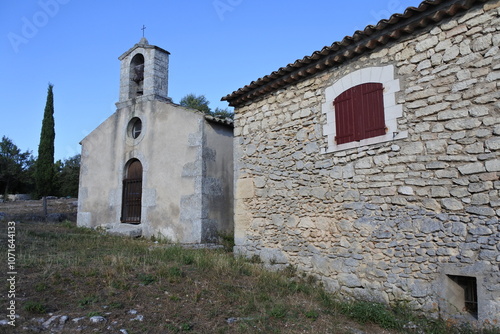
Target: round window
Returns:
[135, 127]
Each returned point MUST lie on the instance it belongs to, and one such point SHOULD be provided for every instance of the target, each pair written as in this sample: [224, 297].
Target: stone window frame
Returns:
[392, 110]
[442, 287]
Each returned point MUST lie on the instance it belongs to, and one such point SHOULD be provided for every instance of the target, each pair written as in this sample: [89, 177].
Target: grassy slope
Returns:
[77, 272]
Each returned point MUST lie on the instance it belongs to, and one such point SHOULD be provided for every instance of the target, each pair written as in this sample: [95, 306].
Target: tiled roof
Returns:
[225, 121]
[428, 13]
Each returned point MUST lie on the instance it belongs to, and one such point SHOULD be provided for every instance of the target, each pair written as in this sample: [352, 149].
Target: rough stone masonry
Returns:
[402, 219]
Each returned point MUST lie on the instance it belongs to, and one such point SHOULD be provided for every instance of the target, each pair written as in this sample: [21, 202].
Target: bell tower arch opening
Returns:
[136, 76]
[143, 73]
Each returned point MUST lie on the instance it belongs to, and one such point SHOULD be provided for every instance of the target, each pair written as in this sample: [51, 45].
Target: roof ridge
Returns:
[370, 37]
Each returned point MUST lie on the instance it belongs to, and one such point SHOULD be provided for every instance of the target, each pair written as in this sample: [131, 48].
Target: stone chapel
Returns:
[154, 168]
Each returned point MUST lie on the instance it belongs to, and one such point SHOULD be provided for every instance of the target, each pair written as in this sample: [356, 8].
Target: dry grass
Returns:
[65, 270]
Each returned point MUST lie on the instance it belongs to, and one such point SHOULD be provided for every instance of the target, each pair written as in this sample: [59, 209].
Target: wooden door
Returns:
[132, 193]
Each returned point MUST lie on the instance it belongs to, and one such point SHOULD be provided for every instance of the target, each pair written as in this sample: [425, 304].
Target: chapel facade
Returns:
[373, 164]
[154, 168]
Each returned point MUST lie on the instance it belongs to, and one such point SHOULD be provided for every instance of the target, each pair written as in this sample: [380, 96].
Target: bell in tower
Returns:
[137, 76]
[144, 72]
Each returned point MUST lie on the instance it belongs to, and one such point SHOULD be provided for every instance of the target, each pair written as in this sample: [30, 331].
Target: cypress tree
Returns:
[45, 163]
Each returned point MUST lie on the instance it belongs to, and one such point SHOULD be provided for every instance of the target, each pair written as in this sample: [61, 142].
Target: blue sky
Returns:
[216, 46]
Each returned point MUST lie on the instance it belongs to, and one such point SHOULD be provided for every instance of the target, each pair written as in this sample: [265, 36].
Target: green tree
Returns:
[15, 168]
[44, 172]
[201, 103]
[67, 176]
[196, 102]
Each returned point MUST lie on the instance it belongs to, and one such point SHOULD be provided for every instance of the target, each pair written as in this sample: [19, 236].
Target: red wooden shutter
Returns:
[345, 118]
[372, 107]
[359, 113]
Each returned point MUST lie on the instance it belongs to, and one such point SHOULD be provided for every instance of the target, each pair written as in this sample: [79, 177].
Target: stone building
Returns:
[154, 168]
[373, 164]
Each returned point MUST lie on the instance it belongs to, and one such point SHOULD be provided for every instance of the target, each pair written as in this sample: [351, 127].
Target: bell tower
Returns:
[144, 72]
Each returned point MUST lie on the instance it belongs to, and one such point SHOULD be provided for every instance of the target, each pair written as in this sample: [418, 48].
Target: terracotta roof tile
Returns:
[426, 14]
[225, 121]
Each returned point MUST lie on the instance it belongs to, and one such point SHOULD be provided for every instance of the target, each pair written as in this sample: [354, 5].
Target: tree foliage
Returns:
[17, 172]
[201, 103]
[44, 172]
[16, 168]
[67, 176]
[196, 102]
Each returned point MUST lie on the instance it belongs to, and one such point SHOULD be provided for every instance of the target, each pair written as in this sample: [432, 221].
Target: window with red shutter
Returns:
[359, 113]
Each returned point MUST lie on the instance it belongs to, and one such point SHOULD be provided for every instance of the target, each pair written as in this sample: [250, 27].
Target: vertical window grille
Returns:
[469, 286]
[132, 193]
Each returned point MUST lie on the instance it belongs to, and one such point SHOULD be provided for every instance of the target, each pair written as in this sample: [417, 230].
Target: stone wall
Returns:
[388, 221]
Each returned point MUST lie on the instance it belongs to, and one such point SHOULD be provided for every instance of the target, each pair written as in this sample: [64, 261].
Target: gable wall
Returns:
[387, 221]
[100, 176]
[170, 149]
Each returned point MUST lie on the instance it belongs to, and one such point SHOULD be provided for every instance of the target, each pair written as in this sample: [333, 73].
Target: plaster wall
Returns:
[218, 183]
[169, 147]
[100, 174]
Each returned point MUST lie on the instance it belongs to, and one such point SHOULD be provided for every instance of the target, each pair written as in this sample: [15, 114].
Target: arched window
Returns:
[359, 113]
[136, 76]
[132, 193]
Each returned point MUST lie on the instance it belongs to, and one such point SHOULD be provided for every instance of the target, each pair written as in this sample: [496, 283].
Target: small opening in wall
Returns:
[134, 127]
[463, 294]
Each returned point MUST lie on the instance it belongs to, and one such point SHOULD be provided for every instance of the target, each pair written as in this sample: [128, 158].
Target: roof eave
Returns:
[372, 37]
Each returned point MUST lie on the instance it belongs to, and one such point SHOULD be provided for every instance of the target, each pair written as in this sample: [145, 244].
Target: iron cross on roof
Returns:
[143, 28]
